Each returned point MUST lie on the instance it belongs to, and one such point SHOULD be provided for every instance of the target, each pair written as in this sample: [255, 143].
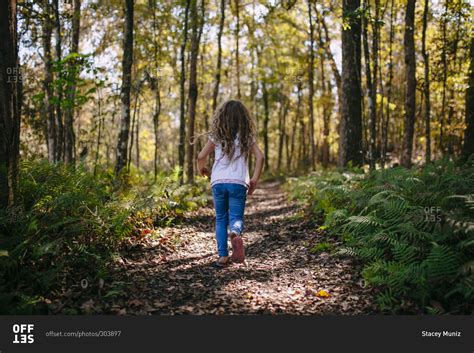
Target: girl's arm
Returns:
[259, 159]
[202, 156]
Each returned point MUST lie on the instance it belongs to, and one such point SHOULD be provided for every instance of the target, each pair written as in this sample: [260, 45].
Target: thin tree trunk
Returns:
[327, 48]
[193, 87]
[10, 103]
[350, 135]
[282, 127]
[445, 77]
[326, 96]
[311, 87]
[375, 60]
[99, 132]
[297, 118]
[468, 147]
[182, 118]
[453, 60]
[127, 61]
[426, 84]
[237, 49]
[266, 119]
[132, 130]
[385, 124]
[410, 95]
[137, 138]
[370, 82]
[48, 108]
[59, 92]
[219, 57]
[69, 138]
[156, 88]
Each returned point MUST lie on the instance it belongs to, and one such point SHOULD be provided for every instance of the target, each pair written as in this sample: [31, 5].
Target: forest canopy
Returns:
[133, 83]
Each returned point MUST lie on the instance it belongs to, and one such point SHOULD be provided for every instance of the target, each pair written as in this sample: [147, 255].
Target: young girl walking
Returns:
[233, 138]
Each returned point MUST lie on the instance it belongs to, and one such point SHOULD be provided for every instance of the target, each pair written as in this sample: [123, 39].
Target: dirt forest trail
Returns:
[280, 275]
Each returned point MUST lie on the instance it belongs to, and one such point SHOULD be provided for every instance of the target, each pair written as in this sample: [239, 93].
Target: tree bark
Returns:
[156, 88]
[445, 77]
[10, 103]
[385, 123]
[426, 85]
[311, 87]
[69, 141]
[294, 130]
[219, 57]
[410, 95]
[350, 135]
[326, 96]
[237, 54]
[127, 61]
[266, 119]
[193, 87]
[370, 87]
[48, 108]
[182, 112]
[59, 92]
[468, 147]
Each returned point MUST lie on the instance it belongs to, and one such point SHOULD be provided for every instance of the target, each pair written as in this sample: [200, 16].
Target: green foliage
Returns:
[73, 221]
[413, 230]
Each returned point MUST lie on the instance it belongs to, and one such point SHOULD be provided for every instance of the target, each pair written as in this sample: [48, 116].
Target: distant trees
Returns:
[10, 103]
[279, 58]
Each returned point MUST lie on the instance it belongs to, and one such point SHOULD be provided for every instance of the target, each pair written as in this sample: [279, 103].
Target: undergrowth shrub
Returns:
[412, 229]
[70, 222]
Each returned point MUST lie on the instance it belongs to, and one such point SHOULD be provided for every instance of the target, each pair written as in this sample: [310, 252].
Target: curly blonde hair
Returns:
[232, 118]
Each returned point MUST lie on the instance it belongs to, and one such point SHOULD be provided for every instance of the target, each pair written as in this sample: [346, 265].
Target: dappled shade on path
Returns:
[280, 274]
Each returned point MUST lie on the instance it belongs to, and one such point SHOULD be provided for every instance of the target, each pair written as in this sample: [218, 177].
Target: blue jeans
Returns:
[229, 203]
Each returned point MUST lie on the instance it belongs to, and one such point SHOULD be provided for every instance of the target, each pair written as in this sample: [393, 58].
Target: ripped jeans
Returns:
[229, 203]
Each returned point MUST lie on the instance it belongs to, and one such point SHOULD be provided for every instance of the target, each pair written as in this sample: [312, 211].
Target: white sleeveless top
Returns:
[233, 171]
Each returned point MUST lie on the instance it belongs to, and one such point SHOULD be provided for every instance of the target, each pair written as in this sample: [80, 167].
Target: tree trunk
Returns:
[468, 147]
[10, 103]
[373, 112]
[350, 135]
[48, 108]
[70, 140]
[266, 119]
[327, 48]
[426, 85]
[193, 87]
[410, 95]
[182, 112]
[325, 95]
[282, 127]
[99, 129]
[219, 57]
[385, 123]
[122, 145]
[371, 85]
[237, 54]
[445, 77]
[59, 92]
[156, 88]
[294, 130]
[453, 60]
[311, 87]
